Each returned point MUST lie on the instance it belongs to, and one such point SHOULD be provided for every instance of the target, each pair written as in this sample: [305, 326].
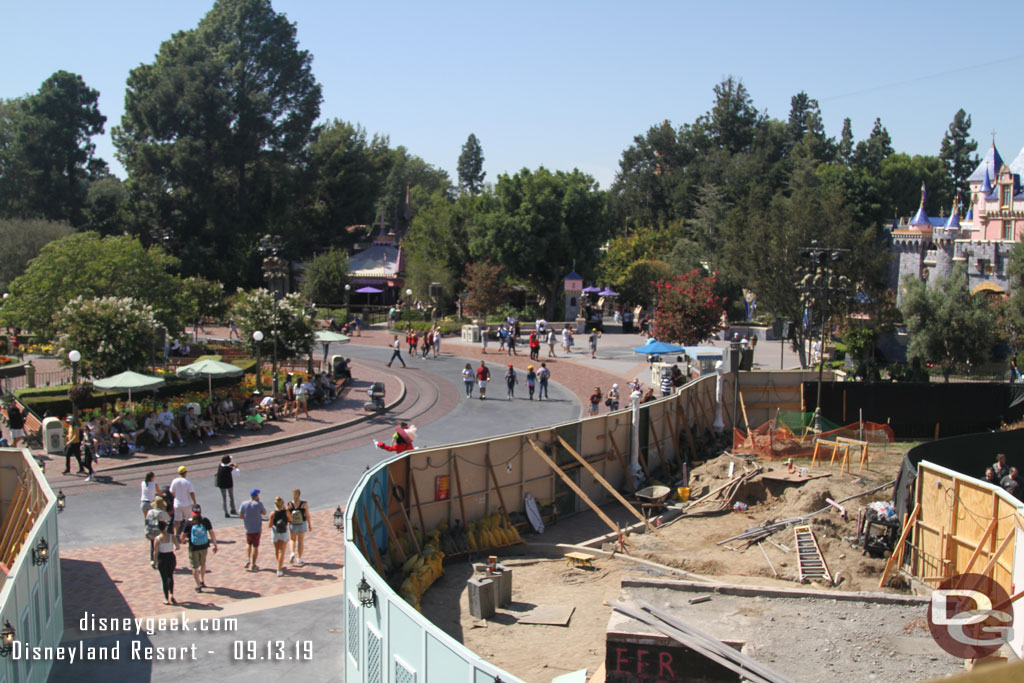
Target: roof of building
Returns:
[990, 165]
[986, 185]
[921, 218]
[379, 260]
[1017, 165]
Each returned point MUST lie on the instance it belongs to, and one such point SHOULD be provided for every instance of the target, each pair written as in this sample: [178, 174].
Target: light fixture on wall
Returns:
[367, 596]
[61, 501]
[41, 553]
[339, 519]
[6, 639]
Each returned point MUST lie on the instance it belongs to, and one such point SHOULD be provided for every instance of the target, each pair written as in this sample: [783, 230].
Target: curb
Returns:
[269, 442]
[774, 592]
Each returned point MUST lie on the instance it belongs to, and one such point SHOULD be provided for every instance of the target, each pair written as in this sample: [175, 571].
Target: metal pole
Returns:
[74, 383]
[274, 314]
[821, 356]
[259, 366]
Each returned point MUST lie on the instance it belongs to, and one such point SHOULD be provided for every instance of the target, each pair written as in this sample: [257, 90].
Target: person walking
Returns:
[595, 401]
[484, 334]
[163, 546]
[412, 340]
[437, 340]
[150, 491]
[199, 532]
[278, 524]
[73, 446]
[666, 384]
[511, 380]
[302, 396]
[594, 334]
[502, 337]
[298, 525]
[252, 513]
[16, 424]
[531, 380]
[551, 342]
[566, 340]
[225, 481]
[184, 497]
[467, 377]
[155, 516]
[483, 376]
[397, 353]
[534, 344]
[511, 343]
[543, 375]
[613, 398]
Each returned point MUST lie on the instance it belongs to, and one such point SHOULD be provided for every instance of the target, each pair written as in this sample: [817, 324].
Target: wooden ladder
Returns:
[809, 560]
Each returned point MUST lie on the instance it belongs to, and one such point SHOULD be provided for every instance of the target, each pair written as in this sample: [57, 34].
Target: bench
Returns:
[580, 560]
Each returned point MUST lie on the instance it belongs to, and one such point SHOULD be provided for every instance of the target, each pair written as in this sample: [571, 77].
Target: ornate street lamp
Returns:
[367, 596]
[339, 519]
[274, 268]
[61, 501]
[41, 553]
[74, 356]
[257, 337]
[6, 639]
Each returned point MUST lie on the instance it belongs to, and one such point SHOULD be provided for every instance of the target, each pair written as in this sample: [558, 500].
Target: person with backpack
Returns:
[510, 381]
[543, 375]
[156, 514]
[298, 525]
[531, 380]
[595, 401]
[225, 481]
[199, 532]
[162, 547]
[278, 525]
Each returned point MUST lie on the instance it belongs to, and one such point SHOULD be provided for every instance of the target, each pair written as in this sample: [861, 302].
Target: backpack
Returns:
[280, 522]
[152, 526]
[197, 534]
[297, 516]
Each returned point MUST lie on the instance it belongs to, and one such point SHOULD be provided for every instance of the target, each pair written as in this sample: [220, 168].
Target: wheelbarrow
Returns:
[652, 498]
[376, 402]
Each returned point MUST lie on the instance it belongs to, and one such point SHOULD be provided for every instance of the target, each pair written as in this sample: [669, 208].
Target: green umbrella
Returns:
[209, 369]
[127, 381]
[326, 337]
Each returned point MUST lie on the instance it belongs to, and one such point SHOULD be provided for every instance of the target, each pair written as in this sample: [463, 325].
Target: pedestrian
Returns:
[302, 396]
[184, 497]
[551, 342]
[613, 398]
[397, 353]
[467, 377]
[511, 342]
[437, 341]
[16, 423]
[484, 334]
[357, 323]
[401, 440]
[543, 375]
[1000, 467]
[155, 515]
[73, 446]
[634, 386]
[595, 401]
[199, 532]
[666, 383]
[163, 545]
[298, 525]
[225, 481]
[278, 524]
[566, 340]
[534, 344]
[483, 376]
[252, 513]
[1011, 482]
[233, 330]
[150, 491]
[502, 337]
[594, 334]
[531, 380]
[510, 381]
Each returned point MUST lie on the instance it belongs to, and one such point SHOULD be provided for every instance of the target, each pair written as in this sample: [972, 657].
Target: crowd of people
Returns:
[174, 517]
[1006, 476]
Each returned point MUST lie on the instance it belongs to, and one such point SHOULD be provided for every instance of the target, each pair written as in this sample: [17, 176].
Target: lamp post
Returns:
[257, 337]
[74, 356]
[274, 268]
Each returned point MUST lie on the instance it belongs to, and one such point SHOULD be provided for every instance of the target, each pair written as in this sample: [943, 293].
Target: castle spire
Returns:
[921, 217]
[954, 214]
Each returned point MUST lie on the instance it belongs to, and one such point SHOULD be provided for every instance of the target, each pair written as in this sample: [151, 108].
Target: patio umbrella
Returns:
[128, 381]
[591, 290]
[369, 290]
[607, 292]
[326, 337]
[209, 369]
[657, 348]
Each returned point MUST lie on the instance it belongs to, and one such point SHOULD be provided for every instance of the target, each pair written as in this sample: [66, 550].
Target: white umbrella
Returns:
[326, 337]
[127, 381]
[209, 369]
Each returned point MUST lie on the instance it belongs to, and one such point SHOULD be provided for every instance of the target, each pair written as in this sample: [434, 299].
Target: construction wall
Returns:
[765, 393]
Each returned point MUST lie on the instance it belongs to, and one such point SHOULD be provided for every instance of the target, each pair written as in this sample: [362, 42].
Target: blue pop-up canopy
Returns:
[657, 348]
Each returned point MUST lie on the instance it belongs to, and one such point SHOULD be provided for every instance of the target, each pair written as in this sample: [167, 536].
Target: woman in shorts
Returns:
[298, 525]
[278, 525]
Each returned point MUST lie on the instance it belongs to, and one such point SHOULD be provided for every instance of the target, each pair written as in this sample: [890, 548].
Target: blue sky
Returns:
[568, 84]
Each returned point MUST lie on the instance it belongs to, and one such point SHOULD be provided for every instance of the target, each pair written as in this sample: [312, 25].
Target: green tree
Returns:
[540, 224]
[408, 186]
[623, 251]
[733, 121]
[201, 299]
[958, 153]
[948, 327]
[1013, 308]
[437, 247]
[471, 166]
[901, 176]
[254, 310]
[87, 265]
[104, 206]
[87, 325]
[46, 150]
[844, 153]
[485, 288]
[870, 153]
[325, 277]
[640, 281]
[212, 133]
[652, 186]
[23, 239]
[346, 174]
[687, 310]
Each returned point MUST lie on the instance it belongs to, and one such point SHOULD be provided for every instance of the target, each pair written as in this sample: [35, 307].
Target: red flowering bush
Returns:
[687, 311]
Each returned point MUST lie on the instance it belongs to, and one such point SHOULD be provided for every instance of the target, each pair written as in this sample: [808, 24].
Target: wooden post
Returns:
[375, 557]
[995, 556]
[572, 485]
[497, 489]
[899, 544]
[611, 489]
[387, 525]
[458, 484]
[416, 497]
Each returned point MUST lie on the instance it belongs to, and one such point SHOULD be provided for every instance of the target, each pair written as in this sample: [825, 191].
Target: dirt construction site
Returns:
[748, 592]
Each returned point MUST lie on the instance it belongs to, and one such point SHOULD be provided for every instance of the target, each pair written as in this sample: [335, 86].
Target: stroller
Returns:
[376, 402]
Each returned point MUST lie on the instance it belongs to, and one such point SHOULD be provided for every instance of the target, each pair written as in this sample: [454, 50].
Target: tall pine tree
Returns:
[957, 152]
[471, 166]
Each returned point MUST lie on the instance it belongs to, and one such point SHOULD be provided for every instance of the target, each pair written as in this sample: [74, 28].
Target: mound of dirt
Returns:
[715, 472]
[809, 497]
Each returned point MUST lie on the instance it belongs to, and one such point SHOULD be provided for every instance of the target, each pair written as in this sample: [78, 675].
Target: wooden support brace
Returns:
[387, 525]
[497, 488]
[371, 542]
[416, 499]
[899, 545]
[458, 484]
[622, 462]
[995, 556]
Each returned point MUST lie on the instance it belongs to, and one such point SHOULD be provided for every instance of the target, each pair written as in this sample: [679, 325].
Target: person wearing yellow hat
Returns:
[531, 380]
[184, 497]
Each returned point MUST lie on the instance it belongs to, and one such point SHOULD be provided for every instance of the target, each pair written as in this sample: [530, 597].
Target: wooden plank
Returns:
[362, 545]
[497, 488]
[458, 483]
[899, 544]
[572, 485]
[603, 482]
[416, 499]
[793, 476]
[372, 542]
[995, 556]
[387, 525]
[743, 407]
[408, 527]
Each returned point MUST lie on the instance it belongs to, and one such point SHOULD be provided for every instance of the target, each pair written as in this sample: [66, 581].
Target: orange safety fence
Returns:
[781, 443]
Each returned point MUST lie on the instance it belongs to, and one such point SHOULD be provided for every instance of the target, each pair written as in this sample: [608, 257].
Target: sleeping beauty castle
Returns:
[927, 247]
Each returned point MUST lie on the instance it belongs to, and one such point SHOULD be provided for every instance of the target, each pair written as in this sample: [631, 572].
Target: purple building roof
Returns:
[990, 165]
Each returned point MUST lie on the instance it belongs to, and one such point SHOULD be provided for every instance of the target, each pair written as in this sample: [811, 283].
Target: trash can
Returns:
[53, 436]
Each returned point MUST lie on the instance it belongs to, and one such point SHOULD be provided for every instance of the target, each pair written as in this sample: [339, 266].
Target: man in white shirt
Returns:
[184, 497]
[166, 418]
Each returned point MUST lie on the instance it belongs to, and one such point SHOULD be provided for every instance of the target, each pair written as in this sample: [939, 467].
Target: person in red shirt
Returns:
[483, 376]
[534, 346]
[402, 440]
